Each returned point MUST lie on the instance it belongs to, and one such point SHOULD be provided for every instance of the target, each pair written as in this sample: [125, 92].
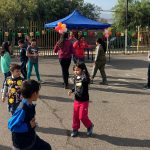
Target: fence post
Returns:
[138, 38]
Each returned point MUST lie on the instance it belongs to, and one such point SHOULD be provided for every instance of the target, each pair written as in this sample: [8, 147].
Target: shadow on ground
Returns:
[51, 76]
[124, 78]
[5, 148]
[118, 141]
[127, 64]
[132, 85]
[53, 83]
[118, 91]
[55, 98]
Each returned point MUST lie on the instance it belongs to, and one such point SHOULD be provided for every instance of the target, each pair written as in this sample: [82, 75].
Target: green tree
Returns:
[13, 11]
[19, 12]
[138, 14]
[91, 11]
[52, 10]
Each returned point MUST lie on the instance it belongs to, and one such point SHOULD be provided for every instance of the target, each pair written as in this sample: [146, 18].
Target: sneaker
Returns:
[41, 82]
[66, 87]
[2, 90]
[104, 83]
[91, 80]
[146, 87]
[90, 130]
[74, 133]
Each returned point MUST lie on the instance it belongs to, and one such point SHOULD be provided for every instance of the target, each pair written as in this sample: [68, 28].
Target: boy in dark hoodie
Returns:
[22, 124]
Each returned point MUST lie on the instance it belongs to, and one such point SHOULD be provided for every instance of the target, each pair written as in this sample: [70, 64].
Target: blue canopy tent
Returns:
[77, 21]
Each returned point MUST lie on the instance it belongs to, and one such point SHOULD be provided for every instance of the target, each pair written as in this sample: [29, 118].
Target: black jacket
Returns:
[81, 87]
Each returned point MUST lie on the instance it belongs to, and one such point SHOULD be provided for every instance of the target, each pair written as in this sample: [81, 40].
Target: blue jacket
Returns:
[19, 124]
[16, 122]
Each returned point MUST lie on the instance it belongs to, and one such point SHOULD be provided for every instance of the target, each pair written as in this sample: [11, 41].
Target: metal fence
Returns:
[46, 39]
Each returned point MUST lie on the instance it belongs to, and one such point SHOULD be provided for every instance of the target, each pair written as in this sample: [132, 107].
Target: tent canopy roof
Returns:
[77, 21]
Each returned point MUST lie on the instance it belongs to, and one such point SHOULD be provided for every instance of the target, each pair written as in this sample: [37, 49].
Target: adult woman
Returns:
[65, 50]
[79, 47]
[5, 60]
[100, 61]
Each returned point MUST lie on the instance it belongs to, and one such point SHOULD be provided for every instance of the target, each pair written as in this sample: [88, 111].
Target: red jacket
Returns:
[66, 51]
[79, 47]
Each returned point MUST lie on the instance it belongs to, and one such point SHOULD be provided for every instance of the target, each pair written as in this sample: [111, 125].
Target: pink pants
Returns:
[80, 112]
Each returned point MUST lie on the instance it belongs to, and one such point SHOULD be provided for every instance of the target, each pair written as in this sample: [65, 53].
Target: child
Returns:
[100, 61]
[22, 124]
[12, 88]
[32, 54]
[23, 58]
[79, 47]
[81, 81]
[5, 60]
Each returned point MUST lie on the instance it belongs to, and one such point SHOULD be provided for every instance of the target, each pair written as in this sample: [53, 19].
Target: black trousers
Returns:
[65, 64]
[148, 74]
[24, 69]
[39, 145]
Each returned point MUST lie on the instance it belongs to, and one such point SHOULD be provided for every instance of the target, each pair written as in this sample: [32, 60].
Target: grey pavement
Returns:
[119, 111]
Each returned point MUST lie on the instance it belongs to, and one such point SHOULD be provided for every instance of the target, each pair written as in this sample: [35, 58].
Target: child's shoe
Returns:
[104, 82]
[90, 130]
[41, 82]
[2, 90]
[91, 80]
[74, 133]
[146, 87]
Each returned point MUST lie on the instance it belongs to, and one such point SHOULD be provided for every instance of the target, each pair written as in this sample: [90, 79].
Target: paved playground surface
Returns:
[119, 111]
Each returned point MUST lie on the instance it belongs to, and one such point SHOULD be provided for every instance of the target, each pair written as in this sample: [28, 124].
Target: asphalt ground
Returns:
[120, 111]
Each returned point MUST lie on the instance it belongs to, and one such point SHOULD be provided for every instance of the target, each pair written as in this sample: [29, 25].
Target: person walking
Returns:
[5, 60]
[65, 50]
[100, 61]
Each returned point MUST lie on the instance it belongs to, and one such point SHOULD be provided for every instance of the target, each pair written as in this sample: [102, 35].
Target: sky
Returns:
[105, 5]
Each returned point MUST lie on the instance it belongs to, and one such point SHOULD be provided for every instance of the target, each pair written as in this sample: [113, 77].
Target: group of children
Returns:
[28, 58]
[21, 92]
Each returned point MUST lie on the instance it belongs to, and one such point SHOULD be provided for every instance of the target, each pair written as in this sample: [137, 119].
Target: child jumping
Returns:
[81, 102]
[12, 88]
[22, 124]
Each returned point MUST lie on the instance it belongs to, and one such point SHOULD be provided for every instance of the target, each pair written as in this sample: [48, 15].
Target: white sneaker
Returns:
[41, 82]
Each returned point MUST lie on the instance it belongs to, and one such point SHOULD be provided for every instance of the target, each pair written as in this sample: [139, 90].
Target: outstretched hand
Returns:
[70, 93]
[33, 123]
